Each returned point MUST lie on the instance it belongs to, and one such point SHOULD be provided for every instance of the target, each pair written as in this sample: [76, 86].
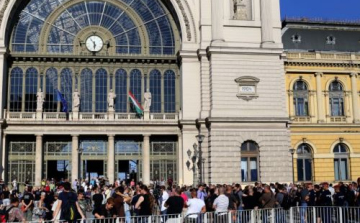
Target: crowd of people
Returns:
[73, 201]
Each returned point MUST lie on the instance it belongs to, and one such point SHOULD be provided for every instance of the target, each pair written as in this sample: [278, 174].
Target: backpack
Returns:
[286, 202]
[4, 214]
[69, 212]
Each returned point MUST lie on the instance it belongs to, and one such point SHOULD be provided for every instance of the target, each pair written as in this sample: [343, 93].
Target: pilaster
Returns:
[38, 160]
[146, 160]
[266, 23]
[319, 98]
[355, 98]
[217, 21]
[111, 159]
[74, 157]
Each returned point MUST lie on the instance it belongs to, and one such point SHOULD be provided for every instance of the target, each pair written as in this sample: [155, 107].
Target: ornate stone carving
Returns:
[2, 11]
[186, 19]
[240, 10]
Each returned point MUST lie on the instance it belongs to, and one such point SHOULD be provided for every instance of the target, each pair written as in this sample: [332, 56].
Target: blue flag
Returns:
[61, 98]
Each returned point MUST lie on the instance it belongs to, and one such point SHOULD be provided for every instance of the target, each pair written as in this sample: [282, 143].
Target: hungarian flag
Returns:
[136, 105]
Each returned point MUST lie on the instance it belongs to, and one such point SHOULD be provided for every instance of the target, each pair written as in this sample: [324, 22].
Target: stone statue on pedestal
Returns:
[76, 101]
[39, 100]
[147, 99]
[110, 100]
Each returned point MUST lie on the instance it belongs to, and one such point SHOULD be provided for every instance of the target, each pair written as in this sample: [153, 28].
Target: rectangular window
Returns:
[301, 106]
[253, 169]
[300, 169]
[337, 106]
[249, 170]
[340, 166]
[244, 169]
[308, 170]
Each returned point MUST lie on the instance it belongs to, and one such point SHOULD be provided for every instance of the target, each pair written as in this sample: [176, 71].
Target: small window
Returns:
[341, 162]
[296, 38]
[304, 163]
[336, 99]
[330, 40]
[249, 161]
[301, 98]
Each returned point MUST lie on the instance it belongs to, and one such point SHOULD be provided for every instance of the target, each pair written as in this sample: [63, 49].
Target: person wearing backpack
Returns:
[68, 204]
[12, 213]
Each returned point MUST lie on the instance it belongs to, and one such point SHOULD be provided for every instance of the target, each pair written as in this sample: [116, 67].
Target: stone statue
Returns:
[39, 100]
[147, 97]
[111, 97]
[240, 10]
[76, 101]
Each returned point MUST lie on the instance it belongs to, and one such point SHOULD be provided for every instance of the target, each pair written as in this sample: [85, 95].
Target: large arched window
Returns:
[341, 162]
[121, 91]
[336, 99]
[101, 90]
[301, 98]
[169, 92]
[16, 89]
[304, 162]
[155, 89]
[66, 86]
[135, 84]
[50, 104]
[31, 88]
[249, 161]
[86, 90]
[126, 21]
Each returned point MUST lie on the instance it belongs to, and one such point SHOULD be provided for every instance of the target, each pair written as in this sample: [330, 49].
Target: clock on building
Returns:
[94, 43]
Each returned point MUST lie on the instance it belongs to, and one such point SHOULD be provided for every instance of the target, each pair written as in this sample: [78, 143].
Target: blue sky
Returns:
[328, 9]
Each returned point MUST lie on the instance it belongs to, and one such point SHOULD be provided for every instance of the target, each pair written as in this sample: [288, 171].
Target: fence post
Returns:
[341, 214]
[292, 215]
[273, 215]
[229, 217]
[252, 216]
[314, 214]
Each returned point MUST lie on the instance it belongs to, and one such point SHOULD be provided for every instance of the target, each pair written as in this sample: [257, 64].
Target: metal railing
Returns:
[276, 215]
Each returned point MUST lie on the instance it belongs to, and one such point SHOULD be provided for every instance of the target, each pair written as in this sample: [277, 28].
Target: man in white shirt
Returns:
[162, 199]
[195, 206]
[221, 203]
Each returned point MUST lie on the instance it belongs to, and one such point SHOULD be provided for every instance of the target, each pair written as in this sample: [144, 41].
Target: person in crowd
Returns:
[14, 212]
[221, 205]
[195, 207]
[174, 204]
[41, 207]
[164, 196]
[68, 204]
[119, 202]
[106, 211]
[209, 201]
[144, 202]
[55, 204]
[28, 203]
[97, 198]
[201, 194]
[326, 203]
[82, 202]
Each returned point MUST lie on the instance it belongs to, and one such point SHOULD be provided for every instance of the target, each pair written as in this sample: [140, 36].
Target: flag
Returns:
[61, 98]
[137, 106]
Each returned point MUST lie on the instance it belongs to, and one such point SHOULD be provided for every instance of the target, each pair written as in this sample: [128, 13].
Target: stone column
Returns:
[111, 159]
[180, 160]
[3, 153]
[2, 75]
[74, 157]
[217, 20]
[355, 97]
[319, 98]
[146, 160]
[266, 22]
[38, 160]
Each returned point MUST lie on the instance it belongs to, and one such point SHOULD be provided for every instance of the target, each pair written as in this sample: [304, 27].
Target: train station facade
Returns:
[213, 68]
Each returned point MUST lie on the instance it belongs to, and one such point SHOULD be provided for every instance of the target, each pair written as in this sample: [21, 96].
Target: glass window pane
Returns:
[253, 169]
[50, 104]
[31, 88]
[101, 90]
[300, 169]
[16, 89]
[244, 170]
[336, 168]
[308, 169]
[135, 84]
[169, 92]
[121, 91]
[66, 86]
[86, 90]
[155, 89]
[343, 169]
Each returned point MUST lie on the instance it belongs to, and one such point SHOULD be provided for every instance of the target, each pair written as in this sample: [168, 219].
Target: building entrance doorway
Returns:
[58, 169]
[94, 168]
[127, 170]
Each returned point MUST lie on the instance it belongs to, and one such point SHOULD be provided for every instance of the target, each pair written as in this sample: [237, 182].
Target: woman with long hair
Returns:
[41, 212]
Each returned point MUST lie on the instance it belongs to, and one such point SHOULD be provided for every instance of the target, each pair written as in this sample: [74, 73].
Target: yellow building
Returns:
[322, 66]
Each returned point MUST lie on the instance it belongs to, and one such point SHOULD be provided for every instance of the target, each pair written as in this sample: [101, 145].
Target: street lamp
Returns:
[292, 151]
[80, 151]
[193, 157]
[200, 138]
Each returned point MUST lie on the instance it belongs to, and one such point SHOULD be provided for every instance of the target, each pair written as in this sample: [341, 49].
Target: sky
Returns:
[326, 9]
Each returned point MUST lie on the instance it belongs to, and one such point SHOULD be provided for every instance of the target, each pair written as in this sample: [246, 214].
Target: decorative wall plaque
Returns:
[247, 87]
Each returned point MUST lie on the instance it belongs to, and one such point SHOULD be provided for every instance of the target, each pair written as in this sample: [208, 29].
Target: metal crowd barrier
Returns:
[276, 215]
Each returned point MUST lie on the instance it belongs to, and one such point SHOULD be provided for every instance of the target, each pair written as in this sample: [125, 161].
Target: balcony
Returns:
[88, 117]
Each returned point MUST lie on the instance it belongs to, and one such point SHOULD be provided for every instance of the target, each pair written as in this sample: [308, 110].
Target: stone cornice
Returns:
[248, 120]
[322, 64]
[211, 50]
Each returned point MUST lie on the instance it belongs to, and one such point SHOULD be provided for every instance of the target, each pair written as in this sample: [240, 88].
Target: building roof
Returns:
[304, 34]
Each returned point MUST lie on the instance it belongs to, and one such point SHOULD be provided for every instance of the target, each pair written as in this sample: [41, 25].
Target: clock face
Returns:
[94, 43]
